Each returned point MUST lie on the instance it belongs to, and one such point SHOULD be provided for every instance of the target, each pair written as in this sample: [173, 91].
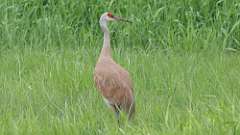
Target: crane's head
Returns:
[108, 16]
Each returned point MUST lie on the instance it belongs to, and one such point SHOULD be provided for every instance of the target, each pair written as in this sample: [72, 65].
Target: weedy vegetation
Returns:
[183, 56]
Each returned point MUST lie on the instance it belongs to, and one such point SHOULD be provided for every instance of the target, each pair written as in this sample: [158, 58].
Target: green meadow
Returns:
[183, 57]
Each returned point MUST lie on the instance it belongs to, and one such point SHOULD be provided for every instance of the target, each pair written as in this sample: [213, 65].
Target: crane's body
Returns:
[113, 81]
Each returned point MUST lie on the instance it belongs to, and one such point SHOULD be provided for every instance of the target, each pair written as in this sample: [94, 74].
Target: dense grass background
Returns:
[188, 24]
[183, 56]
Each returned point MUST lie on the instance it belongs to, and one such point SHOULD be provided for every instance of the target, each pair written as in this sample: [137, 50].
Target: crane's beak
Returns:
[117, 18]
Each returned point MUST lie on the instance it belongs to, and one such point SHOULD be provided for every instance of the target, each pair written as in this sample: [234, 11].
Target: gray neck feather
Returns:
[106, 50]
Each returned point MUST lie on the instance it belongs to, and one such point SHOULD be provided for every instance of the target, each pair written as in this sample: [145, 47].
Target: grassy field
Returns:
[183, 56]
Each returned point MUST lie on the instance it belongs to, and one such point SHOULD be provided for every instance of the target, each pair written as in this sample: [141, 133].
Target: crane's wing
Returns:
[113, 81]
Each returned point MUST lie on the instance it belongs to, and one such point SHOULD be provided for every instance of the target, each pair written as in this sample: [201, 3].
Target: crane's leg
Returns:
[116, 110]
[118, 117]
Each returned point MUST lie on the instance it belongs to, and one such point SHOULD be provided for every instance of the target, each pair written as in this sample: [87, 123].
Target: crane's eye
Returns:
[110, 15]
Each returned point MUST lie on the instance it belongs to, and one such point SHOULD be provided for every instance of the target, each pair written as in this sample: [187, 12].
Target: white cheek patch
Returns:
[107, 102]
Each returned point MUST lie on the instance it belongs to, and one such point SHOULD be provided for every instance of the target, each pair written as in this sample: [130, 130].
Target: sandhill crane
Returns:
[110, 78]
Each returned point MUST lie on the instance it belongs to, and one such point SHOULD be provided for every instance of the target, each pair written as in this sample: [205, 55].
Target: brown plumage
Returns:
[111, 79]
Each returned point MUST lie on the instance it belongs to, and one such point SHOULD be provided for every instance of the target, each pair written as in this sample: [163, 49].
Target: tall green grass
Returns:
[187, 24]
[52, 92]
[185, 80]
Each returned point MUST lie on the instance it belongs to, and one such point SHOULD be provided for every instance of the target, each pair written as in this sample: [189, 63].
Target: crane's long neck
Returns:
[106, 49]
